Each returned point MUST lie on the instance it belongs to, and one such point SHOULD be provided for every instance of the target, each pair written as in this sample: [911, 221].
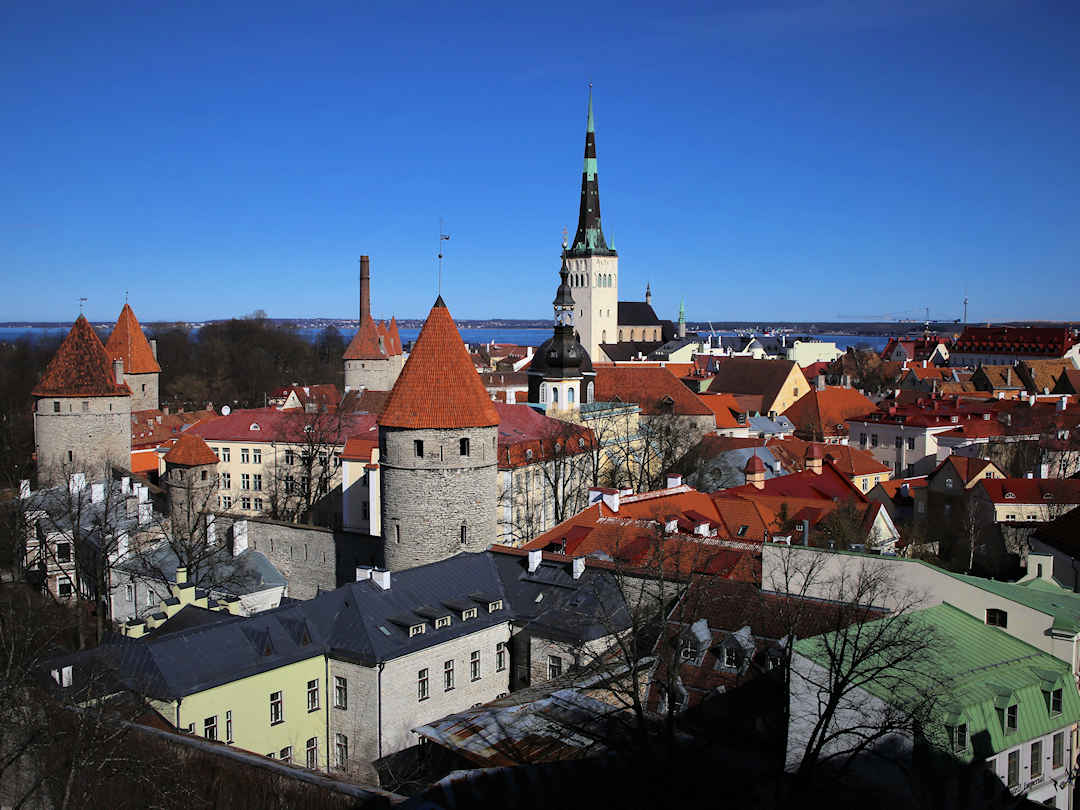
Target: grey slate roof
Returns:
[764, 426]
[247, 572]
[630, 349]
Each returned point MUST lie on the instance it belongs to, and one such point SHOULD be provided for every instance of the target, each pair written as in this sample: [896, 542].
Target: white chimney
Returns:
[363, 572]
[76, 483]
[145, 513]
[211, 530]
[1063, 403]
[125, 486]
[24, 489]
[240, 537]
[381, 577]
[674, 480]
[610, 497]
[1031, 401]
[924, 364]
[535, 556]
[577, 567]
[1044, 470]
[97, 493]
[118, 370]
[143, 493]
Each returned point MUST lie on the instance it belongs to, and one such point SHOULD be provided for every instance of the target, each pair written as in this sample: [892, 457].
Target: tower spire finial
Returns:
[589, 239]
[589, 124]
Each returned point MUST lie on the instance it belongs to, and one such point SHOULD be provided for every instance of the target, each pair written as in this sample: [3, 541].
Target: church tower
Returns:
[438, 443]
[561, 374]
[592, 265]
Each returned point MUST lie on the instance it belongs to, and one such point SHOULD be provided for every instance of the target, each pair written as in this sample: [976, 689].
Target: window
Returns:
[1059, 749]
[341, 744]
[228, 726]
[418, 448]
[86, 405]
[463, 447]
[1014, 768]
[210, 728]
[690, 653]
[448, 675]
[286, 754]
[312, 695]
[997, 618]
[416, 630]
[873, 440]
[226, 454]
[226, 481]
[129, 592]
[500, 656]
[256, 456]
[63, 552]
[948, 483]
[277, 709]
[422, 685]
[862, 440]
[1036, 759]
[1011, 717]
[958, 737]
[474, 665]
[245, 481]
[741, 531]
[554, 667]
[64, 589]
[731, 657]
[496, 605]
[464, 534]
[341, 692]
[1055, 702]
[256, 482]
[290, 457]
[151, 597]
[899, 442]
[442, 621]
[911, 443]
[226, 501]
[258, 504]
[245, 457]
[62, 676]
[245, 503]
[468, 613]
[311, 753]
[56, 406]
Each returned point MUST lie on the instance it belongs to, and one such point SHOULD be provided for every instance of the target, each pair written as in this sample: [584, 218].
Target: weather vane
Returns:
[81, 302]
[443, 237]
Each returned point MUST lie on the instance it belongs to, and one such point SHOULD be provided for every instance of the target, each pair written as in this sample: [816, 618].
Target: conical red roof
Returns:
[80, 368]
[366, 344]
[191, 451]
[395, 336]
[128, 343]
[439, 387]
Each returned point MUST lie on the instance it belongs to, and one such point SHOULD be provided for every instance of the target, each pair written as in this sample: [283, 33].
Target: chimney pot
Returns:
[381, 577]
[535, 556]
[181, 575]
[118, 370]
[674, 480]
[577, 567]
[363, 572]
[365, 288]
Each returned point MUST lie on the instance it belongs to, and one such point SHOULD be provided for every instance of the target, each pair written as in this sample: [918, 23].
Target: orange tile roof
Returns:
[367, 343]
[722, 406]
[892, 487]
[358, 448]
[80, 368]
[144, 461]
[190, 451]
[825, 412]
[128, 343]
[439, 387]
[851, 461]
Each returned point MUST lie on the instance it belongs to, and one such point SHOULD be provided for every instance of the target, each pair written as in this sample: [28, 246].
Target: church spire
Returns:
[589, 239]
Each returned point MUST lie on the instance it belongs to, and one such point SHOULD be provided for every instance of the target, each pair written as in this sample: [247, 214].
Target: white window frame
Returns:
[277, 707]
[341, 692]
[313, 695]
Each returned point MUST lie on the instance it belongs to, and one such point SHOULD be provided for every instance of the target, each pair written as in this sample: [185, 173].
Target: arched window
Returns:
[570, 396]
[603, 336]
[589, 393]
[554, 395]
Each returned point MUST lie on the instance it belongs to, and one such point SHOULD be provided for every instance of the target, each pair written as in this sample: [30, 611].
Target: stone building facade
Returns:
[374, 358]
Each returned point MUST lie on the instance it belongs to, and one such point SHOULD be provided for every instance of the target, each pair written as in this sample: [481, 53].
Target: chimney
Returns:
[118, 370]
[143, 493]
[924, 364]
[535, 556]
[240, 537]
[181, 575]
[674, 480]
[1044, 470]
[381, 577]
[363, 572]
[577, 567]
[145, 513]
[365, 288]
[125, 486]
[97, 493]
[24, 489]
[812, 459]
[1031, 401]
[755, 472]
[153, 348]
[820, 381]
[1063, 403]
[610, 497]
[76, 483]
[211, 530]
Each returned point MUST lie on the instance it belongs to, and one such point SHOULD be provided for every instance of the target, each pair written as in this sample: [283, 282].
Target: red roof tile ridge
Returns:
[657, 493]
[80, 367]
[439, 387]
[128, 343]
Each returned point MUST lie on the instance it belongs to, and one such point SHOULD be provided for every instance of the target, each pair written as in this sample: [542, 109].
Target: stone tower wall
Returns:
[143, 400]
[375, 375]
[190, 495]
[426, 500]
[95, 431]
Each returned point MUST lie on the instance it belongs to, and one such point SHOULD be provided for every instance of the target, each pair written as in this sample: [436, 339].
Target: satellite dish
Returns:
[225, 410]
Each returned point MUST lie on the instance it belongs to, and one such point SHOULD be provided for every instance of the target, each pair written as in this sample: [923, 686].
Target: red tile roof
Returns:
[367, 343]
[80, 368]
[522, 429]
[1008, 340]
[814, 369]
[1032, 490]
[128, 343]
[724, 408]
[190, 451]
[830, 484]
[271, 425]
[893, 486]
[152, 428]
[358, 448]
[655, 390]
[324, 396]
[851, 461]
[439, 387]
[366, 401]
[822, 413]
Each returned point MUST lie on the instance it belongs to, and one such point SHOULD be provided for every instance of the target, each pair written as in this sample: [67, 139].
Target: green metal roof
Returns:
[988, 670]
[1039, 595]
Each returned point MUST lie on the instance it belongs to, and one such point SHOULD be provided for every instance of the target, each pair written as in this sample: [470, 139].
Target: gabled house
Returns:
[821, 414]
[778, 383]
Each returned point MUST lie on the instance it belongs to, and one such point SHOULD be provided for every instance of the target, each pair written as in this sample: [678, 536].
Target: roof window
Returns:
[741, 531]
[1010, 494]
[384, 630]
[254, 426]
[416, 629]
[496, 605]
[442, 621]
[468, 613]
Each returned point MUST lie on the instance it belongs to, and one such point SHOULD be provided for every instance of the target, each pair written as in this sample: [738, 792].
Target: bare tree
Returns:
[307, 464]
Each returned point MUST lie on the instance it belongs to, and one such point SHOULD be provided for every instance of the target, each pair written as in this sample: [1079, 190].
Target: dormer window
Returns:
[1011, 495]
[1011, 717]
[416, 630]
[1053, 701]
[254, 426]
[468, 613]
[62, 676]
[441, 622]
[496, 605]
[958, 737]
[741, 531]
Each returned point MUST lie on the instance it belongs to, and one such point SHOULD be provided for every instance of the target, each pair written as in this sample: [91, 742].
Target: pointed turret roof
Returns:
[80, 368]
[128, 343]
[439, 387]
[191, 451]
[367, 343]
[589, 239]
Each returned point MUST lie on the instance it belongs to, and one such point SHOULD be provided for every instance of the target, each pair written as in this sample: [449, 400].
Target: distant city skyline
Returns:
[807, 160]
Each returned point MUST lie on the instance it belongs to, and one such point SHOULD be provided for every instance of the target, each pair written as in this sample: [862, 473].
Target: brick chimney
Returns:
[813, 459]
[365, 288]
[755, 472]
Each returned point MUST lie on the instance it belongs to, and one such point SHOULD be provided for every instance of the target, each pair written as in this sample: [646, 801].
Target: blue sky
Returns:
[802, 160]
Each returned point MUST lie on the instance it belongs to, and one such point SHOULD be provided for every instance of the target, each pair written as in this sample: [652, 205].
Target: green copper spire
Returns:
[682, 310]
[589, 239]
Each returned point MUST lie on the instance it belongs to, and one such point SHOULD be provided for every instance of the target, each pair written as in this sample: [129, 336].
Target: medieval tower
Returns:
[128, 343]
[593, 266]
[373, 358]
[438, 437]
[190, 479]
[82, 410]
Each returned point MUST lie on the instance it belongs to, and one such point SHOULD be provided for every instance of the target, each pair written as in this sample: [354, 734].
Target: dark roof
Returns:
[637, 313]
[630, 349]
[1062, 533]
[745, 375]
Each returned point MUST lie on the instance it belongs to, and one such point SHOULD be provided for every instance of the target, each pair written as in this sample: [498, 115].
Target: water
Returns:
[520, 337]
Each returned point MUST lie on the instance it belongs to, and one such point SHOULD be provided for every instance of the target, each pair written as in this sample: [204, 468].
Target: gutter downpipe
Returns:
[381, 665]
[178, 700]
[326, 708]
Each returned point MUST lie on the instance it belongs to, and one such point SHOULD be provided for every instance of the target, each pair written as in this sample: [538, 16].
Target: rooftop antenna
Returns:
[443, 237]
[81, 302]
[965, 307]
